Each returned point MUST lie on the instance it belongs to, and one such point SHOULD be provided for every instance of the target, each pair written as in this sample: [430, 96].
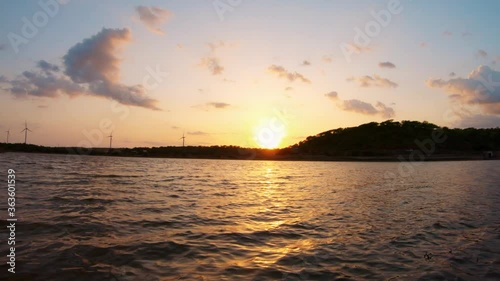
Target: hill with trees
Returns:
[391, 137]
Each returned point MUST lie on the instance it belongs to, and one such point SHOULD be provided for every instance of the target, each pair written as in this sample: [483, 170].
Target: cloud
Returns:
[327, 59]
[289, 89]
[212, 105]
[3, 79]
[375, 81]
[361, 107]
[359, 49]
[481, 54]
[384, 111]
[332, 95]
[175, 128]
[306, 63]
[3, 46]
[481, 88]
[197, 133]
[91, 67]
[386, 65]
[283, 73]
[127, 95]
[42, 84]
[466, 34]
[452, 74]
[447, 33]
[212, 64]
[479, 121]
[214, 46]
[47, 67]
[153, 17]
[94, 59]
[218, 105]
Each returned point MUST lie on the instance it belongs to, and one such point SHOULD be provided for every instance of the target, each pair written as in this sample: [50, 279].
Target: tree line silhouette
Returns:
[386, 139]
[392, 136]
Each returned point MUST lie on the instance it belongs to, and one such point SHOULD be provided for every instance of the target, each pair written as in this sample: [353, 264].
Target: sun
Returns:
[269, 133]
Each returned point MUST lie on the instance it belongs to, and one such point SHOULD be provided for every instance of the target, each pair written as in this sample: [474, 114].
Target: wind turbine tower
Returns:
[183, 139]
[110, 139]
[8, 133]
[25, 132]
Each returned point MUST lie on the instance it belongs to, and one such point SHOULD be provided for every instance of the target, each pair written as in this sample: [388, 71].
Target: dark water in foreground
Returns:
[97, 218]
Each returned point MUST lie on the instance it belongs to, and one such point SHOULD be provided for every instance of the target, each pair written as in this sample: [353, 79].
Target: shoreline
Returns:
[312, 158]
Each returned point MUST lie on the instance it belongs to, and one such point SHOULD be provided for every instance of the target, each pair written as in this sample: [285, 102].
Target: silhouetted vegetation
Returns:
[387, 140]
[391, 137]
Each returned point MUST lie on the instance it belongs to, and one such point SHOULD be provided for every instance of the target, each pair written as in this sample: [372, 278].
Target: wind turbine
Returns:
[26, 131]
[183, 139]
[110, 139]
[8, 133]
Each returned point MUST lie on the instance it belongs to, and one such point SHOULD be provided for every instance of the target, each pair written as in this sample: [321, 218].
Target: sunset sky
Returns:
[247, 73]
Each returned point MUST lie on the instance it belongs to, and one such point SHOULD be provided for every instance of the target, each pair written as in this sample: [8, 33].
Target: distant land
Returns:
[385, 141]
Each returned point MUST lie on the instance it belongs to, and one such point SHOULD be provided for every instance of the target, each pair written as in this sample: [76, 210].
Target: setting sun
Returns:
[270, 133]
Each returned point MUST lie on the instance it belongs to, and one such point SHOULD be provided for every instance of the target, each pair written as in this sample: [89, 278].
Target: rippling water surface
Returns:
[107, 218]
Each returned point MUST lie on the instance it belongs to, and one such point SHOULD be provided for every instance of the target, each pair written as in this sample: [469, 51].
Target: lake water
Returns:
[110, 218]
